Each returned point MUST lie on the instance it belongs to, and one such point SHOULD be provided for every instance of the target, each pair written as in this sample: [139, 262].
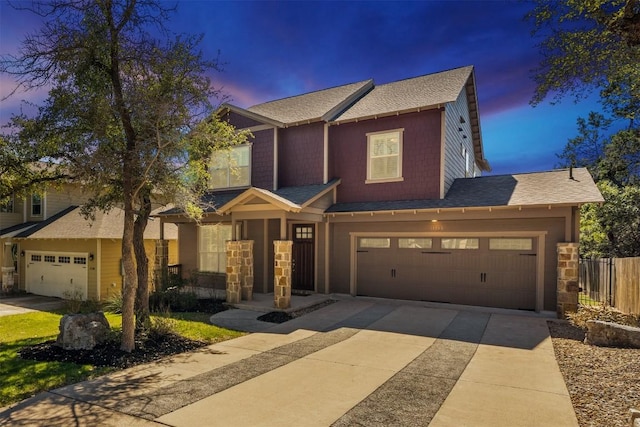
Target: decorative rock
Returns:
[609, 334]
[82, 331]
[635, 418]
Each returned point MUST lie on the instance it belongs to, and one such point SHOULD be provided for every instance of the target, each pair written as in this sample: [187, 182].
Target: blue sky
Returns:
[272, 50]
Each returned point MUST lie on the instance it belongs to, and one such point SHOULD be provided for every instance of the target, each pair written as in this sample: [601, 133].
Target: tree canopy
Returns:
[124, 96]
[595, 45]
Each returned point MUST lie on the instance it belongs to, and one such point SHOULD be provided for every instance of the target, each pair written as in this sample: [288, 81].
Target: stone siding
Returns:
[282, 273]
[567, 290]
[239, 280]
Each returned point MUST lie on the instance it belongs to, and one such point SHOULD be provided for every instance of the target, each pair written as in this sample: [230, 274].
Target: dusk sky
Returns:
[273, 50]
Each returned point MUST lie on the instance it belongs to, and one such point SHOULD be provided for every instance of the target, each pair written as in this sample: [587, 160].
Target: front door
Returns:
[302, 269]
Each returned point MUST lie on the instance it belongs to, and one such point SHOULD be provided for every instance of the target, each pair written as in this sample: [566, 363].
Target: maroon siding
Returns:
[300, 155]
[262, 159]
[420, 158]
[240, 121]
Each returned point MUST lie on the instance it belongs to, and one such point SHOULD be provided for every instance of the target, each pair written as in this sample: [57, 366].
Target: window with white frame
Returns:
[231, 168]
[384, 156]
[36, 205]
[212, 255]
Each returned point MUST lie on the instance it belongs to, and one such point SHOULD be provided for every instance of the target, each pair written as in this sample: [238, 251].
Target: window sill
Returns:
[382, 181]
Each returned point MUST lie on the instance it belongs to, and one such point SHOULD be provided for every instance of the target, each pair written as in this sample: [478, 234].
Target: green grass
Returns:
[20, 378]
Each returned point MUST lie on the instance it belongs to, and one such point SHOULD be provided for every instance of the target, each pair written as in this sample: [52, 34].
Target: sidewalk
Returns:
[353, 361]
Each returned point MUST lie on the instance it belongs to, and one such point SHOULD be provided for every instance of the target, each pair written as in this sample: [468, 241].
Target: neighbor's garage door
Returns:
[494, 272]
[57, 274]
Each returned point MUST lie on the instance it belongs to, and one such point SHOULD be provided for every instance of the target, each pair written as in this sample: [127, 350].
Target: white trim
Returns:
[325, 159]
[98, 267]
[275, 159]
[540, 254]
[259, 128]
[369, 179]
[443, 147]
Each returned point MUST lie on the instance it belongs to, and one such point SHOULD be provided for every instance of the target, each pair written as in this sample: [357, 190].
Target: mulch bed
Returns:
[281, 316]
[109, 353]
[147, 349]
[602, 381]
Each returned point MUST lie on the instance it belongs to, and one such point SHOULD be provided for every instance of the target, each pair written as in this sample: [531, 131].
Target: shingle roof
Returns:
[531, 189]
[313, 106]
[70, 224]
[403, 95]
[300, 195]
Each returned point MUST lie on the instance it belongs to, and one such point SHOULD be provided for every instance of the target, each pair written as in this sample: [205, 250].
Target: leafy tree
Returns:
[586, 45]
[613, 228]
[595, 45]
[118, 116]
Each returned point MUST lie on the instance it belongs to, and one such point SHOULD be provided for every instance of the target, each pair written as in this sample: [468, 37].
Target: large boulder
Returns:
[608, 334]
[82, 331]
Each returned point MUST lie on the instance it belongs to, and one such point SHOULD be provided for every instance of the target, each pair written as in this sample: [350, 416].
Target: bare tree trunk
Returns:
[142, 261]
[130, 279]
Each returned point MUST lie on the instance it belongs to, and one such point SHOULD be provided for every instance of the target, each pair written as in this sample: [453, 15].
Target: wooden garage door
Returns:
[57, 274]
[494, 272]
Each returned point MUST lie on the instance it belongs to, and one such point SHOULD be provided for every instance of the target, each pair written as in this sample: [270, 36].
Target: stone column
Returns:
[282, 273]
[234, 271]
[161, 261]
[567, 288]
[246, 270]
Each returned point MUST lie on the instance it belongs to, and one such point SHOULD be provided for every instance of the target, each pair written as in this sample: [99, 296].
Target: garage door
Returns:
[57, 274]
[493, 272]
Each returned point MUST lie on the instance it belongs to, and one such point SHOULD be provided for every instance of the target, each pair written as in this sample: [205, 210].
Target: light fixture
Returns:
[90, 257]
[21, 253]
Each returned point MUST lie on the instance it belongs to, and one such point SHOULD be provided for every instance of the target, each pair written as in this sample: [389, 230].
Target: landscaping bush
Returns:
[173, 299]
[114, 304]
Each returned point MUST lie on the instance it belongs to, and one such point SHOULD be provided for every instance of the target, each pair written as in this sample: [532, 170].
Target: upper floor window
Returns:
[7, 207]
[231, 168]
[384, 156]
[36, 205]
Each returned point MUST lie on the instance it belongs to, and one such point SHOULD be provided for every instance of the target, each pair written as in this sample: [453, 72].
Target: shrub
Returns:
[114, 303]
[173, 299]
[74, 303]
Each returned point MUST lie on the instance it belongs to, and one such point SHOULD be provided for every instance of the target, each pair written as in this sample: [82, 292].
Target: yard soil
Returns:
[603, 382]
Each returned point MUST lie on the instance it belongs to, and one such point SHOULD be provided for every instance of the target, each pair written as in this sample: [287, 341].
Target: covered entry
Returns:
[471, 270]
[57, 274]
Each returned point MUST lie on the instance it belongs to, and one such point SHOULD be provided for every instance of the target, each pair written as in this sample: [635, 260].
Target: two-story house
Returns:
[377, 190]
[49, 248]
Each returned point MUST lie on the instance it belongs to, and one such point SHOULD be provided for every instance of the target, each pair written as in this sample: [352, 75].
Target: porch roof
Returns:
[530, 189]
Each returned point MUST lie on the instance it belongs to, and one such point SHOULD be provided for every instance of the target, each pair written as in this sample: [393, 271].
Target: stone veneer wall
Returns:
[246, 270]
[567, 278]
[239, 280]
[282, 273]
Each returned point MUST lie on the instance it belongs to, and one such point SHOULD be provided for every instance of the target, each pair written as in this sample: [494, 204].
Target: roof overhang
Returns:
[476, 134]
[251, 115]
[388, 114]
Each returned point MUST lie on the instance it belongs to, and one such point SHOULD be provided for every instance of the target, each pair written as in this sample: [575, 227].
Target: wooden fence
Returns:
[627, 289]
[614, 281]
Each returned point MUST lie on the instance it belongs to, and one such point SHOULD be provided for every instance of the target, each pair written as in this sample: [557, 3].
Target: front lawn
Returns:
[20, 378]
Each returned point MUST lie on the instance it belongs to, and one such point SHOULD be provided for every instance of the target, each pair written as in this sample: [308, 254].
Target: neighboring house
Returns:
[62, 254]
[378, 189]
[18, 214]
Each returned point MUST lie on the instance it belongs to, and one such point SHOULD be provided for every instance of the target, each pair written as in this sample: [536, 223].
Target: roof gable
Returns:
[314, 106]
[411, 94]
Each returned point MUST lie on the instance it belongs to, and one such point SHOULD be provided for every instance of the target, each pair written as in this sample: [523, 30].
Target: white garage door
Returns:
[495, 272]
[57, 274]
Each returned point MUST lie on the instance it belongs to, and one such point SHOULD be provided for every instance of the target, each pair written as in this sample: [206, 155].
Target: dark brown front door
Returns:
[303, 259]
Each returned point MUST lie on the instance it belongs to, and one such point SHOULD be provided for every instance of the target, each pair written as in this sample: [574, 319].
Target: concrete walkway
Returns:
[354, 362]
[27, 304]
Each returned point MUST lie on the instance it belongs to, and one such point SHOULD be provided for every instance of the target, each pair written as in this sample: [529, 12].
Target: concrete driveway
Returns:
[28, 303]
[354, 362]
